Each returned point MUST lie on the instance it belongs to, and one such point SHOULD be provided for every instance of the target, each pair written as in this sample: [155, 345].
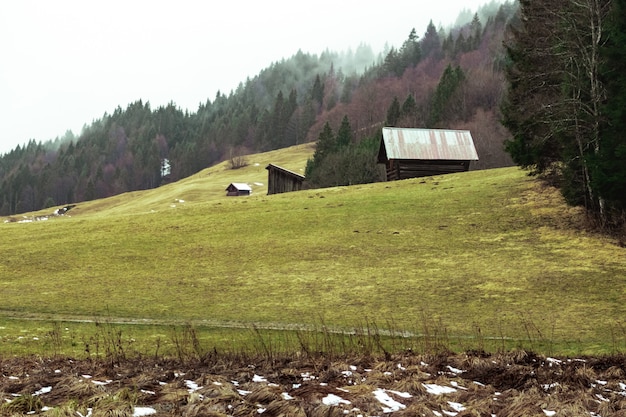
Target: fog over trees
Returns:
[450, 78]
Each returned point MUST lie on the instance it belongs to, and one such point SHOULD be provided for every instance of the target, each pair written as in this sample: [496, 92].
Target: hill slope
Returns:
[479, 254]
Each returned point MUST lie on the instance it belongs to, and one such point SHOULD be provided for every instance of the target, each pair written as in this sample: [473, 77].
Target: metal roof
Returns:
[286, 171]
[239, 186]
[429, 144]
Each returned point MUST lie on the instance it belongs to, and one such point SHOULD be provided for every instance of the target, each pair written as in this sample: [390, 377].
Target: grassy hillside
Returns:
[476, 257]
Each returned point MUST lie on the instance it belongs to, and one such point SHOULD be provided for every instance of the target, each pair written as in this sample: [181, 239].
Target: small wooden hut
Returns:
[411, 153]
[236, 189]
[281, 180]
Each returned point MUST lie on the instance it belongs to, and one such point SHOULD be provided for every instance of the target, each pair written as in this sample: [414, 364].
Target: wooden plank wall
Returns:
[278, 182]
[404, 169]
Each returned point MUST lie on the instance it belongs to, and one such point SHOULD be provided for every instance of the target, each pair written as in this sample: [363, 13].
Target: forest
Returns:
[446, 78]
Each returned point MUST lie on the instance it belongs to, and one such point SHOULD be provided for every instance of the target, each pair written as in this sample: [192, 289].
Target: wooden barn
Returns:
[236, 189]
[281, 180]
[411, 153]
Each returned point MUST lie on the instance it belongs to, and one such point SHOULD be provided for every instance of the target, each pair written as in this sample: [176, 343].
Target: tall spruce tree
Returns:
[561, 87]
[609, 168]
[393, 113]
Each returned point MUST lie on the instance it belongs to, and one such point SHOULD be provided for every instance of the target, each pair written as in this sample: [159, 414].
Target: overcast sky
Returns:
[64, 63]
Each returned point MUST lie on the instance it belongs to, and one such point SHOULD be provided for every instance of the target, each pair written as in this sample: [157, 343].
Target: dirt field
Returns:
[474, 384]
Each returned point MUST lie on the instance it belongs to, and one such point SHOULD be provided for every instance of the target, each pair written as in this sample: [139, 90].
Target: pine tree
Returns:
[344, 134]
[393, 113]
[476, 32]
[609, 168]
[431, 43]
[563, 101]
[410, 53]
[448, 84]
[409, 107]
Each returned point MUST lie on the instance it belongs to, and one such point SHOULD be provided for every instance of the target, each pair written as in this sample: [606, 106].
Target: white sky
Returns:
[64, 63]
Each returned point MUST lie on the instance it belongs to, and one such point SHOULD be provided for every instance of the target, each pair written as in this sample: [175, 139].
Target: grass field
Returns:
[484, 259]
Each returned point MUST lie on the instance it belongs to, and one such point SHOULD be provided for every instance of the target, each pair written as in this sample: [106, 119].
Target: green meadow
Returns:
[487, 260]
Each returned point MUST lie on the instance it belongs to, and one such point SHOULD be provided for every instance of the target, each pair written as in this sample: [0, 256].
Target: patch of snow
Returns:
[219, 384]
[243, 392]
[458, 407]
[602, 382]
[107, 382]
[44, 390]
[437, 413]
[259, 184]
[143, 411]
[455, 370]
[286, 396]
[401, 394]
[400, 367]
[334, 400]
[145, 391]
[261, 410]
[57, 371]
[554, 361]
[296, 386]
[547, 387]
[456, 385]
[258, 378]
[191, 385]
[438, 389]
[601, 398]
[346, 373]
[353, 368]
[548, 413]
[390, 404]
[86, 376]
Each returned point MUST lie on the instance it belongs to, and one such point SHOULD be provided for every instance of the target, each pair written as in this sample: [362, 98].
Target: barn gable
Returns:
[411, 153]
[238, 189]
[281, 180]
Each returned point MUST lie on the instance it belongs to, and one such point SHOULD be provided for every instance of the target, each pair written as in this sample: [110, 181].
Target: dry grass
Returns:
[484, 260]
[483, 385]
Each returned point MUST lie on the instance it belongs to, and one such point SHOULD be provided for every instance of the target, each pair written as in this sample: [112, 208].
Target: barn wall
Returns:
[399, 169]
[280, 182]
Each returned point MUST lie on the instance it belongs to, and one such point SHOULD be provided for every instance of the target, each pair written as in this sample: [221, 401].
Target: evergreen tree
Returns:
[409, 107]
[393, 113]
[431, 42]
[563, 101]
[326, 145]
[609, 167]
[344, 134]
[476, 32]
[448, 85]
[410, 53]
[317, 91]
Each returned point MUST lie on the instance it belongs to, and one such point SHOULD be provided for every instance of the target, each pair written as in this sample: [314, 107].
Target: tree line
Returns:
[450, 78]
[566, 100]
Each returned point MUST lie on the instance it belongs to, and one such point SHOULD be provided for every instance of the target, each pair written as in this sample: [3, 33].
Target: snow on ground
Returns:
[385, 389]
